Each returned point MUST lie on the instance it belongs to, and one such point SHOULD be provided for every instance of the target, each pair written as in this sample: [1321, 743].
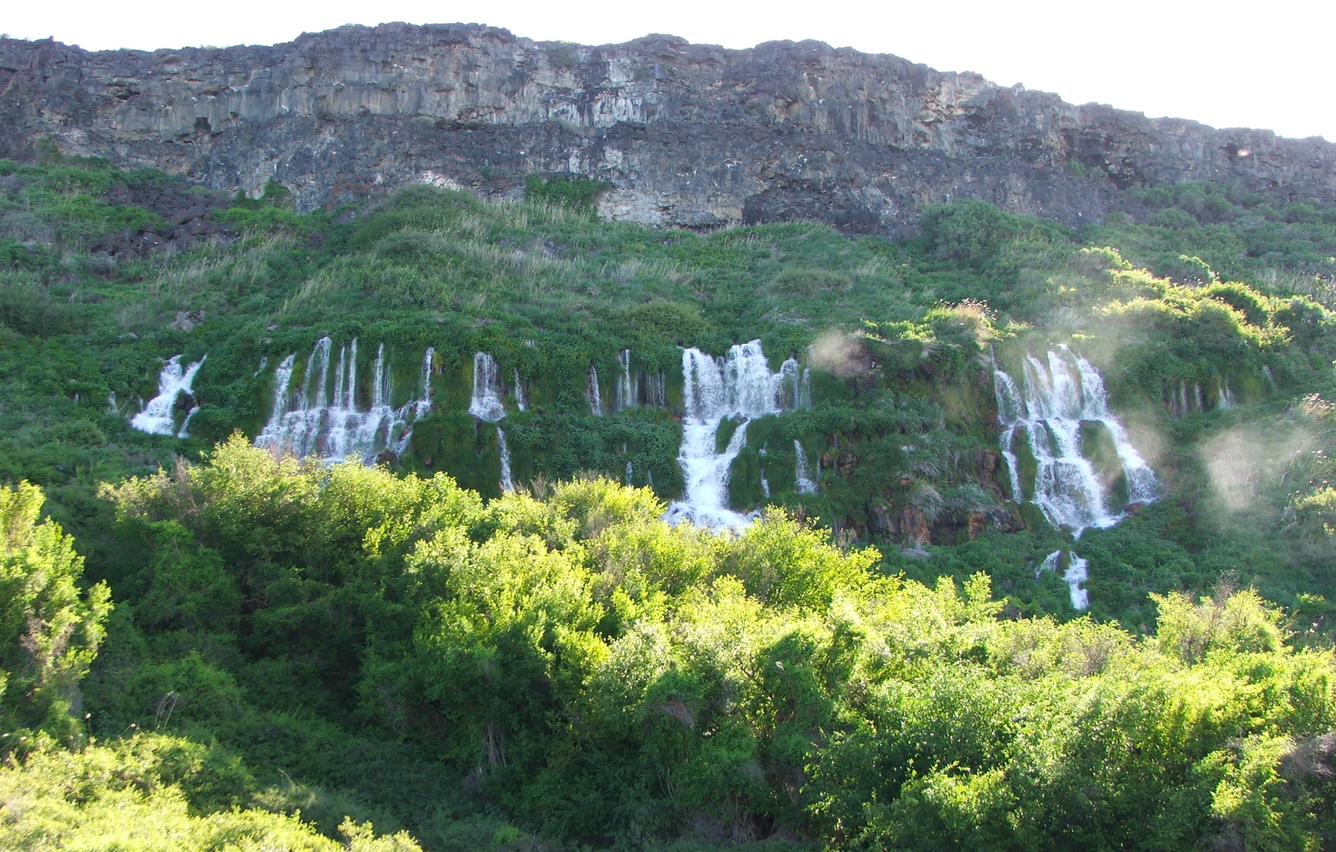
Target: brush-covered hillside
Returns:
[357, 518]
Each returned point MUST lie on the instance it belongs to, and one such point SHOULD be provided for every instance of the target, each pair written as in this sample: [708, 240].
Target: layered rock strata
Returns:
[687, 135]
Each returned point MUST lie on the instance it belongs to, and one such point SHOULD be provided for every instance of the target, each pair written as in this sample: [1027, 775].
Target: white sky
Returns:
[1225, 63]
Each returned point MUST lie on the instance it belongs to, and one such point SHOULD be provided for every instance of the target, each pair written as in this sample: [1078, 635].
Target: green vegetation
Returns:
[250, 651]
[359, 647]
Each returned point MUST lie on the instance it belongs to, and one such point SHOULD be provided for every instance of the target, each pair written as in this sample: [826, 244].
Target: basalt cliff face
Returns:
[688, 135]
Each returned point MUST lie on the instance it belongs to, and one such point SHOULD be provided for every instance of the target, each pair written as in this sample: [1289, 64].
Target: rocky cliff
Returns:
[688, 135]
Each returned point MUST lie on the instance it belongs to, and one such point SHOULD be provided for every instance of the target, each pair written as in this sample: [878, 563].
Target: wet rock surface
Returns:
[688, 135]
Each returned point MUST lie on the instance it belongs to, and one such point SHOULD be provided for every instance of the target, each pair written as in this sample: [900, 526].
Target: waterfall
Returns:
[595, 396]
[520, 402]
[624, 395]
[486, 403]
[803, 482]
[1058, 397]
[333, 427]
[486, 406]
[653, 390]
[1226, 396]
[507, 482]
[1075, 576]
[739, 386]
[157, 417]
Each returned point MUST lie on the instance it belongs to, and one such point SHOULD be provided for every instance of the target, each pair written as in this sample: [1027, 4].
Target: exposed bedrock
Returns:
[688, 135]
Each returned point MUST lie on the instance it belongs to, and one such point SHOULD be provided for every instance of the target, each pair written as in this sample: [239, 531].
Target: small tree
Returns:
[49, 631]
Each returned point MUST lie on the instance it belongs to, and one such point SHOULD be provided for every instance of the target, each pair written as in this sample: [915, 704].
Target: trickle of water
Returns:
[1058, 396]
[624, 395]
[507, 482]
[595, 396]
[803, 484]
[741, 386]
[333, 428]
[157, 416]
[520, 402]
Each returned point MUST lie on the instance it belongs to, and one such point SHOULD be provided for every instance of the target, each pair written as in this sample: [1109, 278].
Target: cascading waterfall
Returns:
[1058, 397]
[157, 417]
[486, 406]
[740, 386]
[486, 402]
[803, 482]
[312, 423]
[1075, 576]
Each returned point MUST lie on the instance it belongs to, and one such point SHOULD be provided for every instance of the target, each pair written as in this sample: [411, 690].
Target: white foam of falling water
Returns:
[1058, 396]
[1075, 576]
[486, 402]
[803, 482]
[740, 386]
[628, 473]
[507, 482]
[334, 427]
[111, 403]
[486, 406]
[157, 416]
[1050, 563]
[1226, 395]
[594, 394]
[520, 402]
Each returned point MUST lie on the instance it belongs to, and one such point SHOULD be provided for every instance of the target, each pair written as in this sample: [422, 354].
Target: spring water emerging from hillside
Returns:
[1061, 399]
[486, 405]
[740, 386]
[1075, 576]
[157, 417]
[324, 419]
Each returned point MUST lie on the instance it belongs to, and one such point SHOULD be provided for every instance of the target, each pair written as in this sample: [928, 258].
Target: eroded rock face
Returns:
[689, 135]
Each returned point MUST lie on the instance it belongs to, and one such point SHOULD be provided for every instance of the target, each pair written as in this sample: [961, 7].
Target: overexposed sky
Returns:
[1226, 64]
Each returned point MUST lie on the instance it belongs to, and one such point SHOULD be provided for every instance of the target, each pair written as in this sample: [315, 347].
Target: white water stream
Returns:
[332, 427]
[741, 386]
[1075, 576]
[1057, 397]
[803, 482]
[158, 418]
[486, 405]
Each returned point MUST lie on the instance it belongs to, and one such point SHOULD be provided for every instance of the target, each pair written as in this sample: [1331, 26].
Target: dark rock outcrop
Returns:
[689, 135]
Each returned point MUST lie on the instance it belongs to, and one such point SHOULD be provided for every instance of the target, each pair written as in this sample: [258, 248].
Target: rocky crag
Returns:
[687, 135]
